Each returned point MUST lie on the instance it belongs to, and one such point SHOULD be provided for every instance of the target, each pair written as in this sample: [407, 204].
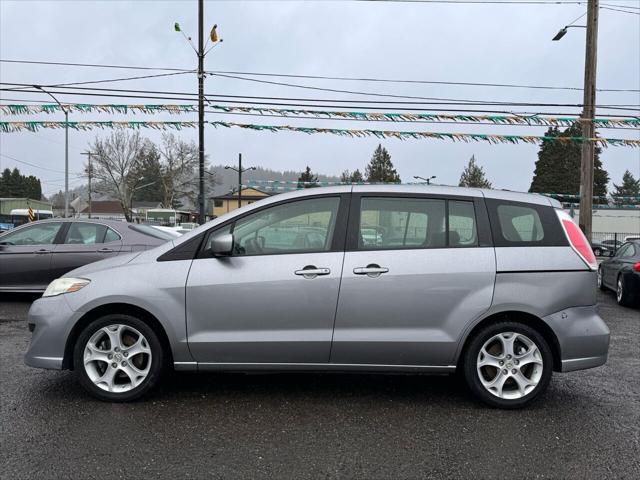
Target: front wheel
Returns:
[118, 358]
[600, 282]
[508, 364]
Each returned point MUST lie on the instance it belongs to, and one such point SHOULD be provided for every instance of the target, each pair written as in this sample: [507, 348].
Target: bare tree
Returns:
[179, 163]
[116, 166]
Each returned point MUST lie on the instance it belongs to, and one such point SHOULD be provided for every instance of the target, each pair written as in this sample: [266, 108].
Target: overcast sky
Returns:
[422, 41]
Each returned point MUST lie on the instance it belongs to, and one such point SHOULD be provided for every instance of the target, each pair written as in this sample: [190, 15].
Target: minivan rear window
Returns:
[520, 224]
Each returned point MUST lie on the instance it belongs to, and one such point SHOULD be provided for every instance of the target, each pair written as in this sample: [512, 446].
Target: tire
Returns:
[600, 280]
[524, 382]
[597, 252]
[624, 295]
[118, 358]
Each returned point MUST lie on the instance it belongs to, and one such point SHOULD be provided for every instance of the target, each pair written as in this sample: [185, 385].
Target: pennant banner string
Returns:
[33, 126]
[531, 120]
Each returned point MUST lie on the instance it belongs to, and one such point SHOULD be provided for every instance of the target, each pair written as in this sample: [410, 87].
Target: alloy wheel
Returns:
[117, 358]
[509, 365]
[619, 290]
[599, 278]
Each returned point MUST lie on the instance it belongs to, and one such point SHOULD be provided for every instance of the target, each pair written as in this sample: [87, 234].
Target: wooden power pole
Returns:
[588, 114]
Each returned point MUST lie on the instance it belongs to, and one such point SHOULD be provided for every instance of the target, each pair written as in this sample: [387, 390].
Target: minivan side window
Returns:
[302, 226]
[463, 231]
[395, 223]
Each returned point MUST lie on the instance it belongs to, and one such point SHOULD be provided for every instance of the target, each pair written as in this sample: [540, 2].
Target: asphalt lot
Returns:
[319, 426]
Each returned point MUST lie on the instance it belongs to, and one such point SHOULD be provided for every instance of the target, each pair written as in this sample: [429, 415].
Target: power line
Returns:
[436, 100]
[620, 10]
[324, 105]
[96, 65]
[30, 164]
[315, 77]
[88, 82]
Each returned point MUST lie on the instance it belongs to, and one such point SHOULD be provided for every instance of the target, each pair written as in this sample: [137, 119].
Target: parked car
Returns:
[622, 274]
[35, 253]
[602, 250]
[506, 300]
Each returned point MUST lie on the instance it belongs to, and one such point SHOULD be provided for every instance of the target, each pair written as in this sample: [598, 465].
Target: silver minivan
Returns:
[498, 286]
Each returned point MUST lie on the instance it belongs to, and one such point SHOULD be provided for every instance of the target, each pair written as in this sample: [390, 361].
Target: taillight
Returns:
[577, 240]
[636, 267]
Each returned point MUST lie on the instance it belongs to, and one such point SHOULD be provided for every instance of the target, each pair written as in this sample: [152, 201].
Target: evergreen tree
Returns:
[558, 165]
[307, 179]
[630, 187]
[473, 175]
[356, 177]
[14, 184]
[380, 168]
[351, 177]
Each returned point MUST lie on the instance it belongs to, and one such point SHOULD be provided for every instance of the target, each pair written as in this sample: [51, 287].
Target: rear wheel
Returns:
[597, 251]
[118, 358]
[508, 365]
[624, 296]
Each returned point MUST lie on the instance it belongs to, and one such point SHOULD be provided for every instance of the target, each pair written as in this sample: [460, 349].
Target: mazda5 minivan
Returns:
[498, 286]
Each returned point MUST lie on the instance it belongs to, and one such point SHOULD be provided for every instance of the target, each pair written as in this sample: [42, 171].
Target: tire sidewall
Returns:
[156, 358]
[471, 356]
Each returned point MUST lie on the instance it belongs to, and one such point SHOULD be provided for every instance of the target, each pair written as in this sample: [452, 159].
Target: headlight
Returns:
[65, 285]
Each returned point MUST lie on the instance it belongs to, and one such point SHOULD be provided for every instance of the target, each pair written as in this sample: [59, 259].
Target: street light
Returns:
[66, 149]
[428, 180]
[240, 171]
[563, 31]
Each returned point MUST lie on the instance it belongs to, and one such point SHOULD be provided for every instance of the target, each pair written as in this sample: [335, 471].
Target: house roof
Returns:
[105, 206]
[247, 194]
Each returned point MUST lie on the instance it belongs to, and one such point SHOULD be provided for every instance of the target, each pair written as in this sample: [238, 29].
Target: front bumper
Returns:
[50, 321]
[583, 337]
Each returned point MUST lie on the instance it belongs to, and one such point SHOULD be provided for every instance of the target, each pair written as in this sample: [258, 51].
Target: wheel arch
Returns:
[111, 308]
[518, 316]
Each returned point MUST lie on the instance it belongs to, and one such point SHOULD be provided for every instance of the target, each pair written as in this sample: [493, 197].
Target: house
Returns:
[103, 209]
[225, 203]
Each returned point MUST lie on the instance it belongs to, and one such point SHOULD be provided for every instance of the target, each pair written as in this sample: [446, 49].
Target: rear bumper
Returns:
[583, 337]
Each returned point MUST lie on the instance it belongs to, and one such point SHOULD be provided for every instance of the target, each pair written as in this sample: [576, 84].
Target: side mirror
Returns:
[222, 245]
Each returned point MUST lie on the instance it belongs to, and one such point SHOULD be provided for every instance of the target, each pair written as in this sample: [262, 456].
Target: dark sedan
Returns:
[34, 254]
[621, 274]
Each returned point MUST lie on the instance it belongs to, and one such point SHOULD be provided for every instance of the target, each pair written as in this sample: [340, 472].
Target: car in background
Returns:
[621, 273]
[631, 238]
[33, 254]
[600, 249]
[173, 232]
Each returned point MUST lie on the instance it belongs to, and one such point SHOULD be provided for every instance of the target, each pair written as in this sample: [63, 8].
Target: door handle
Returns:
[372, 270]
[310, 271]
[42, 251]
[105, 250]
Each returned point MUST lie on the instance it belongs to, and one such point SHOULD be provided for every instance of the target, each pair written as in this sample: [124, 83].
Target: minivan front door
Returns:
[273, 300]
[415, 274]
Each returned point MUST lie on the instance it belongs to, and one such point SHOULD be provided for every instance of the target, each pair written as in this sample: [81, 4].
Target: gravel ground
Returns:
[311, 425]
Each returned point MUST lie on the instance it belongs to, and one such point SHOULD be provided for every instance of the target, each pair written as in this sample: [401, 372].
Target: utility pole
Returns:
[89, 172]
[588, 114]
[240, 171]
[201, 198]
[239, 180]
